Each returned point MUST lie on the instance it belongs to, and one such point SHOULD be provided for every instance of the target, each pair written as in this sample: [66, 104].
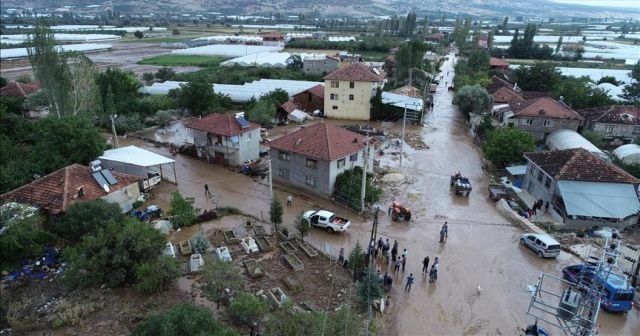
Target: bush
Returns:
[247, 308]
[182, 319]
[182, 211]
[86, 217]
[219, 276]
[473, 99]
[356, 260]
[200, 243]
[275, 212]
[369, 288]
[155, 275]
[111, 254]
[506, 145]
[22, 239]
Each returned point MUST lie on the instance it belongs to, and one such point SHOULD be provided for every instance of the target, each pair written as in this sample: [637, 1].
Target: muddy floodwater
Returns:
[482, 249]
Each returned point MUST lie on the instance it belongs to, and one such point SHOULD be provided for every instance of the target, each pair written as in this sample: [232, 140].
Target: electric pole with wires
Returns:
[370, 262]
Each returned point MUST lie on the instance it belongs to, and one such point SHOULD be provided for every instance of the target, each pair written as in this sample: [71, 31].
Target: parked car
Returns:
[543, 244]
[327, 220]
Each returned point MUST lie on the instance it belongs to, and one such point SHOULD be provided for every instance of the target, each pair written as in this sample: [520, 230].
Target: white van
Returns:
[543, 244]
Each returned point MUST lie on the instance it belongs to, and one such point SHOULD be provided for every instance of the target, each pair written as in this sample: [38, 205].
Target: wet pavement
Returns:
[482, 249]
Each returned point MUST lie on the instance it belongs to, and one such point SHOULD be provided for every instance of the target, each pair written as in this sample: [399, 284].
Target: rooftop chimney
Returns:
[297, 142]
[80, 192]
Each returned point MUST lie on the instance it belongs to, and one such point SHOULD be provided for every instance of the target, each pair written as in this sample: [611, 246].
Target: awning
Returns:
[517, 170]
[599, 199]
[135, 156]
[402, 101]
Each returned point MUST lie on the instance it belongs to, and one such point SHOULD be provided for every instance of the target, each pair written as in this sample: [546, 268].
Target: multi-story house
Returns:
[348, 91]
[226, 138]
[312, 157]
[541, 116]
[615, 122]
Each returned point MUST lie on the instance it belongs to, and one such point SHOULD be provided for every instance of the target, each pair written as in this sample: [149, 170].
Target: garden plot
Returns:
[228, 50]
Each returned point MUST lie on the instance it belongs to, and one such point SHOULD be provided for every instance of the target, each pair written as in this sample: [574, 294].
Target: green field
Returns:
[173, 60]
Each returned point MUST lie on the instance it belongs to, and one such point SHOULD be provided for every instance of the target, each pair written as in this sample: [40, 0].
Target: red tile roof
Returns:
[56, 191]
[614, 114]
[435, 36]
[578, 164]
[535, 94]
[357, 72]
[317, 91]
[222, 124]
[544, 107]
[407, 90]
[322, 141]
[17, 89]
[498, 62]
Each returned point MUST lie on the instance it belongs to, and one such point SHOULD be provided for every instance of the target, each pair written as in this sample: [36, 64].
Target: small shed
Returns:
[516, 174]
[629, 153]
[140, 162]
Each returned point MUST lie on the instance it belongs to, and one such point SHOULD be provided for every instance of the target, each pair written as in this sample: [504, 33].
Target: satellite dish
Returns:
[105, 187]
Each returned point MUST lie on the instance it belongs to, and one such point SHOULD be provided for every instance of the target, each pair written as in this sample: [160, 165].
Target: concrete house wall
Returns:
[535, 180]
[323, 66]
[348, 103]
[247, 148]
[296, 173]
[538, 129]
[609, 131]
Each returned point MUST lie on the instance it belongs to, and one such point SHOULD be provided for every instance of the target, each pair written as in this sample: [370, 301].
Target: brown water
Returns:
[482, 249]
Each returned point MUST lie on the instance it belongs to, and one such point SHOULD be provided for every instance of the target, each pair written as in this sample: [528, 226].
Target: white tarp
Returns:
[8, 53]
[599, 199]
[298, 116]
[629, 153]
[136, 156]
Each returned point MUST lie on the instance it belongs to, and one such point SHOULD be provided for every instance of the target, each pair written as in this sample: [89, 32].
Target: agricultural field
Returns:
[174, 60]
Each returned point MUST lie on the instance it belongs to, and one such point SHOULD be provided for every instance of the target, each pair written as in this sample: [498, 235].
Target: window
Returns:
[548, 123]
[530, 187]
[335, 84]
[341, 163]
[608, 129]
[334, 107]
[333, 96]
[350, 97]
[311, 181]
[352, 85]
[547, 182]
[353, 157]
[248, 136]
[312, 163]
[533, 171]
[310, 97]
[284, 173]
[284, 156]
[527, 122]
[636, 130]
[540, 175]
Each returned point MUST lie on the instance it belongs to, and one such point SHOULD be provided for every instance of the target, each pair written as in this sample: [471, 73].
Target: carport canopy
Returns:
[137, 156]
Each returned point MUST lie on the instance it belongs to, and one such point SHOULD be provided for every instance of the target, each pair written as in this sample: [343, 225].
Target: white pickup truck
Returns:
[327, 220]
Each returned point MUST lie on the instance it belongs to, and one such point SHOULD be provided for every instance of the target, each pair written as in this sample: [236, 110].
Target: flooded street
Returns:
[482, 249]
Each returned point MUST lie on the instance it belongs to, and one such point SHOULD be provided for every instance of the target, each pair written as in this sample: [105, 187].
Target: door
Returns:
[219, 157]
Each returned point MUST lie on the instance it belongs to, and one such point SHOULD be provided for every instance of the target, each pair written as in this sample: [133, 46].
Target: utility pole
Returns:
[372, 241]
[113, 129]
[364, 174]
[270, 181]
[404, 124]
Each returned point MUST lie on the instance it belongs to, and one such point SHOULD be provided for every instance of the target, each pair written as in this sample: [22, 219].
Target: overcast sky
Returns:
[609, 3]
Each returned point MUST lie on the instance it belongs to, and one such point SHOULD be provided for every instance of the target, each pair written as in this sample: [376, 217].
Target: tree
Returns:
[289, 321]
[156, 274]
[182, 319]
[84, 94]
[277, 96]
[559, 44]
[175, 32]
[86, 217]
[580, 93]
[356, 260]
[165, 73]
[262, 112]
[163, 118]
[138, 34]
[247, 308]
[275, 213]
[50, 67]
[539, 76]
[409, 55]
[111, 254]
[610, 80]
[3, 81]
[506, 145]
[24, 78]
[199, 98]
[473, 99]
[504, 24]
[302, 225]
[478, 61]
[369, 288]
[347, 188]
[218, 277]
[200, 243]
[148, 77]
[593, 137]
[124, 87]
[182, 211]
[632, 91]
[294, 62]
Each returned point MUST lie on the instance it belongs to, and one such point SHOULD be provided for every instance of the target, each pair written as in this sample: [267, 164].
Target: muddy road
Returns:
[482, 248]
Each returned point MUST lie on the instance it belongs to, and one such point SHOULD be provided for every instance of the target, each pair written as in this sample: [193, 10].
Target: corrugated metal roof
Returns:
[517, 170]
[398, 100]
[599, 199]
